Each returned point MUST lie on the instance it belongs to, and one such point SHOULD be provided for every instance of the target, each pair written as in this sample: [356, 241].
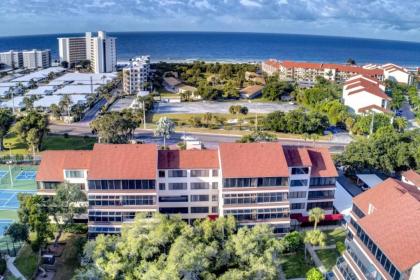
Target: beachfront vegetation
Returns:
[168, 248]
[386, 150]
[6, 121]
[275, 89]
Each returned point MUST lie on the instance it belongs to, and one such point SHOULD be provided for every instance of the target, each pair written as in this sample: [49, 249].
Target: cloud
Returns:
[382, 18]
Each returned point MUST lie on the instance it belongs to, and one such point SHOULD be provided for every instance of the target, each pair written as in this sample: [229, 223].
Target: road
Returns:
[92, 113]
[209, 140]
[409, 115]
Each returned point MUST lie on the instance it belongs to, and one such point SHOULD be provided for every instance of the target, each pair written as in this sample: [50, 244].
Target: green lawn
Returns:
[338, 234]
[328, 257]
[8, 215]
[26, 261]
[59, 142]
[295, 265]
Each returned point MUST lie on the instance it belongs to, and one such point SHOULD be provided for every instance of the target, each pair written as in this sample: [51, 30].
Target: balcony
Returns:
[344, 270]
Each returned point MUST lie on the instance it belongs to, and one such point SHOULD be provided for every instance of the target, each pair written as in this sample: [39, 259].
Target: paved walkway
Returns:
[315, 258]
[12, 268]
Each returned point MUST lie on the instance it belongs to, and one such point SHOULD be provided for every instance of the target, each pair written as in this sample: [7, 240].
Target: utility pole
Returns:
[372, 123]
[13, 100]
[91, 85]
[144, 114]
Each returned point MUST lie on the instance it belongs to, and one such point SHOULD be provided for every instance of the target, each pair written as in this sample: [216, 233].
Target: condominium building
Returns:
[383, 238]
[308, 71]
[99, 50]
[31, 59]
[394, 73]
[34, 59]
[255, 183]
[364, 95]
[136, 74]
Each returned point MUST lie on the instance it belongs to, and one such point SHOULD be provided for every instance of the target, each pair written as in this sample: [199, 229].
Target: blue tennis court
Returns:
[4, 224]
[26, 175]
[3, 173]
[9, 199]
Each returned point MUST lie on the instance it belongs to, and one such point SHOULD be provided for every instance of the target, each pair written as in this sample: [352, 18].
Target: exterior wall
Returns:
[72, 50]
[363, 99]
[36, 59]
[136, 75]
[398, 76]
[269, 69]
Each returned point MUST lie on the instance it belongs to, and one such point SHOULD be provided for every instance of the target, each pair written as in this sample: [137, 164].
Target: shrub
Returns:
[3, 266]
[340, 246]
[314, 274]
[293, 241]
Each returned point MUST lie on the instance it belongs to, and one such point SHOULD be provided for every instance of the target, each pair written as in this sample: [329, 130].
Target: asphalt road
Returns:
[92, 113]
[209, 140]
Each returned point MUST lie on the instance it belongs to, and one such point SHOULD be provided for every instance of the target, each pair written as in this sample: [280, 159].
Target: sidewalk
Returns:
[12, 268]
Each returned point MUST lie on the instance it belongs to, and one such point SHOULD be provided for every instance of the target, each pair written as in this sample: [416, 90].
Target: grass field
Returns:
[328, 257]
[50, 142]
[295, 265]
[26, 261]
[338, 234]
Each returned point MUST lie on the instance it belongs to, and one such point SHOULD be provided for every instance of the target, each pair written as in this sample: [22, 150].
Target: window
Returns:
[322, 181]
[199, 186]
[298, 183]
[180, 198]
[215, 185]
[74, 174]
[177, 173]
[177, 186]
[321, 194]
[215, 209]
[214, 197]
[254, 182]
[199, 173]
[215, 172]
[297, 194]
[122, 184]
[162, 186]
[174, 210]
[161, 173]
[300, 170]
[324, 205]
[296, 206]
[199, 209]
[50, 185]
[357, 212]
[199, 197]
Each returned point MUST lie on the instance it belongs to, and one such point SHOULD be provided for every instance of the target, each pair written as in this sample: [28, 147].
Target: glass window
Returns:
[174, 210]
[177, 173]
[74, 174]
[181, 198]
[161, 173]
[296, 206]
[199, 209]
[215, 172]
[300, 170]
[199, 173]
[298, 183]
[162, 186]
[177, 186]
[297, 194]
[199, 197]
[199, 186]
[215, 185]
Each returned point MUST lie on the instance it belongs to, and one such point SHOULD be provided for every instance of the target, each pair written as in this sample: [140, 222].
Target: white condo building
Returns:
[136, 74]
[100, 51]
[30, 59]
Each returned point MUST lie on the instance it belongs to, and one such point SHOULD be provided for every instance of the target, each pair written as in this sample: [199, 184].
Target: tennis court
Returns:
[9, 199]
[3, 173]
[26, 175]
[23, 177]
[4, 224]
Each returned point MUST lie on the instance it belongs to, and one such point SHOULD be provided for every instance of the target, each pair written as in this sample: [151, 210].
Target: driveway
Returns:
[219, 107]
[409, 115]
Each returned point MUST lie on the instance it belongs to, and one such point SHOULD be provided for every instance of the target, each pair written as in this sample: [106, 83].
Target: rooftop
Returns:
[412, 176]
[188, 159]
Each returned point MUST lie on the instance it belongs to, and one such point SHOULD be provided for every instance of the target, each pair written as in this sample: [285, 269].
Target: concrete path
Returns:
[12, 268]
[315, 258]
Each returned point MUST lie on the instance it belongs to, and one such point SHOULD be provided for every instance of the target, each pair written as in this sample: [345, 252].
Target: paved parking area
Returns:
[219, 107]
[122, 103]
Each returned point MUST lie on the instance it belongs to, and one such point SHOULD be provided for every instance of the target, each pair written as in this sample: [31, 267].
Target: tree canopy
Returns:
[168, 248]
[275, 89]
[31, 129]
[6, 121]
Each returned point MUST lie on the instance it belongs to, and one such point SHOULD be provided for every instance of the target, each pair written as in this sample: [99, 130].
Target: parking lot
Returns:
[219, 107]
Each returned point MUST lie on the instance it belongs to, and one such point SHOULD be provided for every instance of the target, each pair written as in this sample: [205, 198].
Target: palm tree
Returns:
[65, 103]
[164, 128]
[400, 123]
[314, 238]
[316, 215]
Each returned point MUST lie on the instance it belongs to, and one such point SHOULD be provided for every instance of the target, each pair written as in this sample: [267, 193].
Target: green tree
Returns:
[164, 128]
[230, 90]
[275, 89]
[65, 104]
[55, 111]
[31, 129]
[316, 215]
[17, 232]
[258, 136]
[28, 102]
[65, 205]
[292, 241]
[400, 123]
[243, 110]
[116, 127]
[314, 274]
[6, 121]
[314, 238]
[32, 212]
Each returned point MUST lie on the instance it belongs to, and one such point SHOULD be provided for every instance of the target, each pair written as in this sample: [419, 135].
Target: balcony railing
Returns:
[345, 270]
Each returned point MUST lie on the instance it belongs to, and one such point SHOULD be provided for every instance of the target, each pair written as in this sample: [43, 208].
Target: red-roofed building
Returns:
[364, 94]
[309, 71]
[411, 177]
[255, 182]
[397, 74]
[383, 240]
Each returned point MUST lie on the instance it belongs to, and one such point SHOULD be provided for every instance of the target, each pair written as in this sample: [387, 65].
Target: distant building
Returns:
[308, 71]
[397, 74]
[383, 238]
[30, 59]
[136, 74]
[251, 91]
[171, 83]
[100, 51]
[364, 94]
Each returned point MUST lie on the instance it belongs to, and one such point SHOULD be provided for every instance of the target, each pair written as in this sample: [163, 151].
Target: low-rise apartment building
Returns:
[309, 71]
[136, 75]
[364, 95]
[255, 183]
[393, 72]
[383, 238]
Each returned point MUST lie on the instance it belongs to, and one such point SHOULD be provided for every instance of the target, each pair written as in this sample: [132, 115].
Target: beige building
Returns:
[136, 75]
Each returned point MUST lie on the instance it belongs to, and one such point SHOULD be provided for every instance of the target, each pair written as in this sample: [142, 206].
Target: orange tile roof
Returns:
[123, 161]
[371, 107]
[322, 163]
[394, 222]
[412, 176]
[188, 159]
[297, 156]
[54, 162]
[273, 63]
[338, 67]
[240, 160]
[370, 88]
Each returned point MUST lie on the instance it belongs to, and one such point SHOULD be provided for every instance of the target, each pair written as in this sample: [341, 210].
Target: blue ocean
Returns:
[243, 47]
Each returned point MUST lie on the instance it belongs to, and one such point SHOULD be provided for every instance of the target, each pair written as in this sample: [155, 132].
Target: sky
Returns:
[385, 19]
